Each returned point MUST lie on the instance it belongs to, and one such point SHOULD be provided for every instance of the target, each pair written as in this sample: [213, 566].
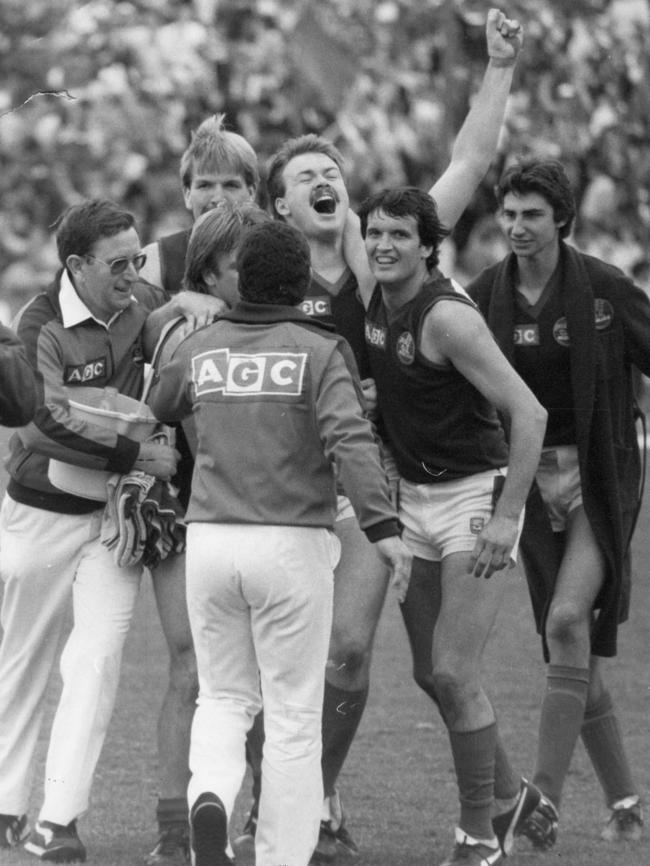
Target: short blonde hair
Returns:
[212, 146]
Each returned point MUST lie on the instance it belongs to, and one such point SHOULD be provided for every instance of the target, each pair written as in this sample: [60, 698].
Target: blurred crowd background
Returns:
[101, 97]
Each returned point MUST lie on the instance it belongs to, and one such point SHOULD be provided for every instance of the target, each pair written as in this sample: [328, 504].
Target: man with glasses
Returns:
[120, 265]
[91, 327]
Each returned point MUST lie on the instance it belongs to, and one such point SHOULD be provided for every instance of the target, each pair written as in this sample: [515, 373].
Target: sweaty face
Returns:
[395, 252]
[104, 293]
[315, 199]
[222, 280]
[208, 188]
[529, 224]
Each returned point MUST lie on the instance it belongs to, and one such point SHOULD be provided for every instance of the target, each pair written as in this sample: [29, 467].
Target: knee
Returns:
[292, 730]
[349, 655]
[566, 624]
[93, 648]
[452, 689]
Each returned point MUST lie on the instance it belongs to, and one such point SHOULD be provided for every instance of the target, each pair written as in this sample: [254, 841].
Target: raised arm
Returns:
[474, 148]
[476, 143]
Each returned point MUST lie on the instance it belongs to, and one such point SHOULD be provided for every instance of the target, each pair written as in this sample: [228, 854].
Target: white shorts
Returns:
[440, 519]
[558, 478]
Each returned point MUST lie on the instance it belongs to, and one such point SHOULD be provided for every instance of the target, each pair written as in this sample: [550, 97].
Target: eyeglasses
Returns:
[118, 266]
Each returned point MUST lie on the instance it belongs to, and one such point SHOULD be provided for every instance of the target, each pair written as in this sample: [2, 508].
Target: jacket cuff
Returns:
[385, 529]
[125, 454]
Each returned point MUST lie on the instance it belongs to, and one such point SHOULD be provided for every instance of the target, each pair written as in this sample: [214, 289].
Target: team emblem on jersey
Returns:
[476, 525]
[137, 355]
[321, 306]
[75, 374]
[375, 335]
[603, 313]
[561, 332]
[235, 374]
[405, 347]
[527, 335]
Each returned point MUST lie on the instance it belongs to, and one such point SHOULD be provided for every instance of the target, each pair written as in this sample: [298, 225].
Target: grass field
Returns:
[398, 783]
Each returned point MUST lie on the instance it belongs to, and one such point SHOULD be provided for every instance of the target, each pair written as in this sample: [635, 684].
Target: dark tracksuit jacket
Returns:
[69, 349]
[608, 322]
[18, 394]
[276, 402]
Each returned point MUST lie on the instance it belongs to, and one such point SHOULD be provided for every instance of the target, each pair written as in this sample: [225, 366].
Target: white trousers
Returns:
[44, 558]
[260, 606]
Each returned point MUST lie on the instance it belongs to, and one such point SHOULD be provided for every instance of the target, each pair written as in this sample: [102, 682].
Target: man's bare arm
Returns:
[198, 309]
[457, 334]
[476, 143]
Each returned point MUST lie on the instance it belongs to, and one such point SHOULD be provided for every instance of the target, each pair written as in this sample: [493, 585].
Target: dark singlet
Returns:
[541, 357]
[439, 426]
[172, 250]
[344, 310]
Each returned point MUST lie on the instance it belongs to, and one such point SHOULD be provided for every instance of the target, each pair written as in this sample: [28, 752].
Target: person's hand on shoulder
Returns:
[199, 309]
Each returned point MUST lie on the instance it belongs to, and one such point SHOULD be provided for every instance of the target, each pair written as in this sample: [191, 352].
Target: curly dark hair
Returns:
[274, 264]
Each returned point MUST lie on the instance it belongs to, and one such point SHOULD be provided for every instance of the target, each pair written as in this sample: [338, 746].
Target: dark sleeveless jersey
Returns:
[439, 426]
[172, 250]
[343, 309]
[541, 357]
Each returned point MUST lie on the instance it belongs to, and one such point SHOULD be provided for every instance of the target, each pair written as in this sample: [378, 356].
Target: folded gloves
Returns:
[143, 520]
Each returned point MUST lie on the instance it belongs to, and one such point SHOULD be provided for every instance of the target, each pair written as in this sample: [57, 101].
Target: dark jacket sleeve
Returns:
[634, 308]
[18, 394]
[349, 441]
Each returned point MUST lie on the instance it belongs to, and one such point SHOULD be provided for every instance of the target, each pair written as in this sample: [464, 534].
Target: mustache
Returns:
[324, 198]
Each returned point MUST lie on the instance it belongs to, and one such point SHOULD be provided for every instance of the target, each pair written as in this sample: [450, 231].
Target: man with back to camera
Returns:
[91, 327]
[210, 269]
[217, 165]
[440, 379]
[276, 401]
[573, 326]
[306, 189]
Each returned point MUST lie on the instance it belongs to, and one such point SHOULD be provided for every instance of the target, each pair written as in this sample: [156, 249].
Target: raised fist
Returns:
[504, 36]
